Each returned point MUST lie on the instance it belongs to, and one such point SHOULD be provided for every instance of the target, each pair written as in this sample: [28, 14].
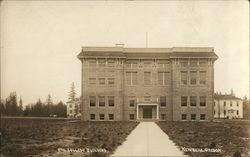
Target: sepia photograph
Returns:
[132, 78]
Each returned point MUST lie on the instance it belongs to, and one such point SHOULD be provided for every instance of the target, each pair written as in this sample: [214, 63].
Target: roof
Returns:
[175, 52]
[226, 97]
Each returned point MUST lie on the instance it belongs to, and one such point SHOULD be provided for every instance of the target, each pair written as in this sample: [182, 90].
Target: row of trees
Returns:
[11, 107]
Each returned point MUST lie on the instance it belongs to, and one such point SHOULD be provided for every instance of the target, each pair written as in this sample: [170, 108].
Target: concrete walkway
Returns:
[147, 139]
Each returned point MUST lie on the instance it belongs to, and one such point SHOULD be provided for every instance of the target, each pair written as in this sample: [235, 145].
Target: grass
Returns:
[23, 137]
[232, 137]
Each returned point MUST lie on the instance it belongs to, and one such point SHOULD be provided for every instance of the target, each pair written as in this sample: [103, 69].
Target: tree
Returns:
[11, 105]
[2, 108]
[20, 106]
[48, 108]
[72, 93]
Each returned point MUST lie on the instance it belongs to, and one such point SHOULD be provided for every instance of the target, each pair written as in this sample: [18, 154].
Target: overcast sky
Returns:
[40, 40]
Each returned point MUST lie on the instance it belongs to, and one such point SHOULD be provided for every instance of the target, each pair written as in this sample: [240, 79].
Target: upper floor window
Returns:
[92, 116]
[111, 101]
[231, 104]
[163, 78]
[111, 81]
[102, 116]
[111, 116]
[203, 62]
[163, 102]
[131, 101]
[184, 101]
[237, 103]
[193, 77]
[202, 100]
[193, 100]
[147, 98]
[101, 81]
[184, 117]
[92, 81]
[202, 77]
[92, 101]
[147, 78]
[101, 63]
[102, 101]
[147, 64]
[184, 63]
[225, 103]
[184, 77]
[162, 64]
[131, 78]
[193, 62]
[193, 116]
[202, 116]
[92, 63]
[237, 112]
[111, 63]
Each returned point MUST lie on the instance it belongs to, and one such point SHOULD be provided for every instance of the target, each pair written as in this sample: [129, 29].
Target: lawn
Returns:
[232, 137]
[25, 137]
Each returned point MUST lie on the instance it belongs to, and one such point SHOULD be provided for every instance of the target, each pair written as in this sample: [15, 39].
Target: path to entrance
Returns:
[147, 139]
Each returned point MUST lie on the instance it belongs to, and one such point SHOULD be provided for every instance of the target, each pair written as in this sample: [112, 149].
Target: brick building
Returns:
[172, 84]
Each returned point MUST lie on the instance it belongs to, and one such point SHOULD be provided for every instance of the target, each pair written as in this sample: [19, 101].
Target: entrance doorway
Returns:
[147, 112]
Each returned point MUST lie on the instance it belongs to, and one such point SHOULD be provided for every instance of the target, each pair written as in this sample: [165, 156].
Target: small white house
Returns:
[74, 109]
[228, 106]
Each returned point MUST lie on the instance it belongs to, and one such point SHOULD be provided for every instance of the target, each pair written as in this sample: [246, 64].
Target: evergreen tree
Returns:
[20, 107]
[72, 93]
[2, 108]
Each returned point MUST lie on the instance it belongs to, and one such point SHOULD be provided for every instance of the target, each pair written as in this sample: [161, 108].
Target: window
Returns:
[237, 103]
[184, 101]
[101, 116]
[131, 101]
[92, 116]
[193, 62]
[131, 78]
[70, 105]
[224, 112]
[184, 77]
[237, 112]
[147, 98]
[202, 116]
[184, 63]
[193, 77]
[163, 101]
[147, 78]
[111, 116]
[101, 101]
[202, 77]
[163, 116]
[225, 103]
[231, 104]
[147, 64]
[193, 116]
[111, 81]
[163, 78]
[102, 63]
[131, 116]
[70, 111]
[92, 101]
[203, 62]
[193, 100]
[162, 64]
[111, 101]
[183, 117]
[101, 81]
[92, 63]
[111, 63]
[92, 81]
[202, 100]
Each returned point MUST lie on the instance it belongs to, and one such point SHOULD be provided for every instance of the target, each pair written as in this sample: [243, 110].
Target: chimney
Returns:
[119, 45]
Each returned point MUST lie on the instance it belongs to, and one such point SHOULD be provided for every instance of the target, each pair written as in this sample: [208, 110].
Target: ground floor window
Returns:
[183, 117]
[102, 116]
[163, 116]
[193, 116]
[92, 116]
[237, 112]
[132, 117]
[111, 116]
[202, 116]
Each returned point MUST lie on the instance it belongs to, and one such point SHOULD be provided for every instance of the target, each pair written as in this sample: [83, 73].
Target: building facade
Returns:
[228, 106]
[74, 108]
[147, 83]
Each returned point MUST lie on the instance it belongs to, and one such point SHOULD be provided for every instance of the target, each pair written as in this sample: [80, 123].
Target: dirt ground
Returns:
[61, 137]
[231, 137]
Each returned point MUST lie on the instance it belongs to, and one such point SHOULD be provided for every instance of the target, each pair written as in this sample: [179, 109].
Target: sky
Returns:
[41, 39]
